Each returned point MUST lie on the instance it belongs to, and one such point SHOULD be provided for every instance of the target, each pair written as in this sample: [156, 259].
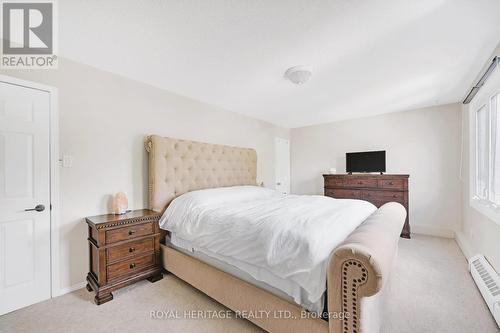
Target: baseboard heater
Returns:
[488, 282]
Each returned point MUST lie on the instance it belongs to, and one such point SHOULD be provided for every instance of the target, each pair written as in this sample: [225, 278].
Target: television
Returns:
[367, 161]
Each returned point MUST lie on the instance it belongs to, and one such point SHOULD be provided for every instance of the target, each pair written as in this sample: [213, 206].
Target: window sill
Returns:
[487, 209]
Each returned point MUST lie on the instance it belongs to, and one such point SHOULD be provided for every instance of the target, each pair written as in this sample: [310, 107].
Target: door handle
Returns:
[278, 183]
[38, 208]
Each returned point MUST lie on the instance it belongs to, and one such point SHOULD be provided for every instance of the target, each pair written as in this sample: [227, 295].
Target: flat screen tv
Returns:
[368, 161]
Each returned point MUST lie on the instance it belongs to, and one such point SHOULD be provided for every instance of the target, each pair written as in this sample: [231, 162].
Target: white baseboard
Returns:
[432, 231]
[69, 289]
[464, 245]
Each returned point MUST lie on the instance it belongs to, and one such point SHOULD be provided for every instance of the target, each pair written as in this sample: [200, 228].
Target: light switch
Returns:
[67, 161]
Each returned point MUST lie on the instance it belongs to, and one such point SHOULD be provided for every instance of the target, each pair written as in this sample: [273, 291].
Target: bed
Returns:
[354, 270]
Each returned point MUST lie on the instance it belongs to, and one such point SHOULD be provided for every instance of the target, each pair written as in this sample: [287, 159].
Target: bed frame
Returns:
[357, 272]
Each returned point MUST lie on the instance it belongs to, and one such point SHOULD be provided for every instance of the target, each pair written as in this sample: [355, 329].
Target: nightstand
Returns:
[123, 249]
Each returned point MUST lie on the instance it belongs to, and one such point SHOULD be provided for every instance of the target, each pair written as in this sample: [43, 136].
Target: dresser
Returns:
[377, 189]
[123, 249]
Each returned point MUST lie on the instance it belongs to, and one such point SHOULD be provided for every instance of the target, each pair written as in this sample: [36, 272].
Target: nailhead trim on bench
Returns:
[350, 286]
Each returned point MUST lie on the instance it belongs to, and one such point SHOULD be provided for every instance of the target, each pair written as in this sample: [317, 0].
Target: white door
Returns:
[24, 185]
[282, 165]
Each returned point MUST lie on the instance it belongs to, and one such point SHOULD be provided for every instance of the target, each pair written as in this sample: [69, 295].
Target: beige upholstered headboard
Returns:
[179, 166]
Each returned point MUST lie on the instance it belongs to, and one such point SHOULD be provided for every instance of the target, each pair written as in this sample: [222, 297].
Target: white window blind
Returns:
[482, 152]
[495, 151]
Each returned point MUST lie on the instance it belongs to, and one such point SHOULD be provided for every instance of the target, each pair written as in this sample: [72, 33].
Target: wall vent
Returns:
[488, 282]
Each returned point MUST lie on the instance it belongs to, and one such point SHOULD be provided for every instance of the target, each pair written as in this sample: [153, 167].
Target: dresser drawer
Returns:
[130, 266]
[126, 233]
[396, 184]
[334, 182]
[130, 249]
[343, 193]
[383, 196]
[360, 182]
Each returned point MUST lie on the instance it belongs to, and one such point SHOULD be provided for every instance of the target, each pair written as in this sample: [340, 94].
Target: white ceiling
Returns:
[367, 56]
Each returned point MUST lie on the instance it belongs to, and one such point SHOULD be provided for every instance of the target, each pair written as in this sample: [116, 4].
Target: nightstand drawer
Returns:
[130, 232]
[130, 249]
[130, 267]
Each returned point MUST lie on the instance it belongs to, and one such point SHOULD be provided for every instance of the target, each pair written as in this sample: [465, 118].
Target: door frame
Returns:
[55, 289]
[276, 140]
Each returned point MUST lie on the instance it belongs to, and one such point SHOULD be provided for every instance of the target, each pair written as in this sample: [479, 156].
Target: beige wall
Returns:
[423, 143]
[103, 119]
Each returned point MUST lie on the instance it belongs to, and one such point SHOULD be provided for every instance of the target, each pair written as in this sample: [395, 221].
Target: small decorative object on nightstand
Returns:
[120, 203]
[123, 249]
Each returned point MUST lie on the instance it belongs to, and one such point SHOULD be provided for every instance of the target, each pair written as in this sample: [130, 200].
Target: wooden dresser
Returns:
[377, 189]
[123, 249]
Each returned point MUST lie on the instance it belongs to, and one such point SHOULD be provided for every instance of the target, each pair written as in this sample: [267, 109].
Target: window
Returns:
[484, 120]
[485, 185]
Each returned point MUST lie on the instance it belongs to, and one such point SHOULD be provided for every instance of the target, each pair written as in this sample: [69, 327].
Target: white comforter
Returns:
[292, 236]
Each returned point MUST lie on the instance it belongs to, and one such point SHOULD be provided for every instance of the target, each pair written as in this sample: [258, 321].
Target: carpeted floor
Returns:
[431, 291]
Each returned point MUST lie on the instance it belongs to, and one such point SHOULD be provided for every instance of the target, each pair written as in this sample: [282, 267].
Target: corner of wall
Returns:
[464, 244]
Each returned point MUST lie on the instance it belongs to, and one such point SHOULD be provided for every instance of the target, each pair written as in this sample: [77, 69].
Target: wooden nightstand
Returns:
[123, 249]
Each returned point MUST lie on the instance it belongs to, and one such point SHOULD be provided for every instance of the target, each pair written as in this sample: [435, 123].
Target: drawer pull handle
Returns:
[394, 196]
[131, 232]
[360, 183]
[132, 266]
[132, 249]
[390, 183]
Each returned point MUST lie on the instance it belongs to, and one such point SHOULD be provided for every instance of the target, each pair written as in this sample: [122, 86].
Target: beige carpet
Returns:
[431, 291]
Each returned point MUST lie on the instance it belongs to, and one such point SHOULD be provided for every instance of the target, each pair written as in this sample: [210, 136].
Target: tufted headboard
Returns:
[179, 166]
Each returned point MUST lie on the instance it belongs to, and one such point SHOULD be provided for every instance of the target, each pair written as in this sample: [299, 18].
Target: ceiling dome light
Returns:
[298, 74]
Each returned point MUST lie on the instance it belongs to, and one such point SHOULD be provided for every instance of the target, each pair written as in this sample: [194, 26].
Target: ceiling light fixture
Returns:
[298, 74]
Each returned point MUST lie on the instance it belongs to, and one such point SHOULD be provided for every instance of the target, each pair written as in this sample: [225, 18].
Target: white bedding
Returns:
[291, 236]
